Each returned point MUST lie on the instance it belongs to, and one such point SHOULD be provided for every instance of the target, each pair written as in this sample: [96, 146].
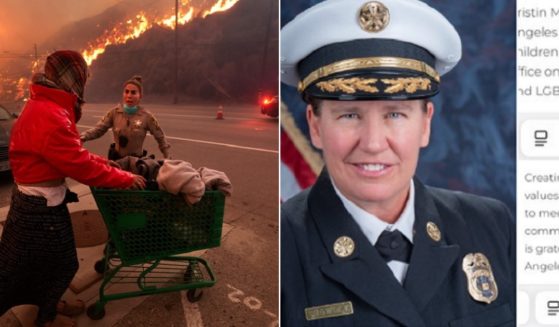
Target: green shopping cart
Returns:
[150, 231]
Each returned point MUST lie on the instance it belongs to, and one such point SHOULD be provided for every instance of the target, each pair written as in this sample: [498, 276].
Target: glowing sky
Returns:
[23, 23]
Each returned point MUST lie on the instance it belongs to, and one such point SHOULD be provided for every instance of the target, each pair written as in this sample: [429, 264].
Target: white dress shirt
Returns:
[372, 226]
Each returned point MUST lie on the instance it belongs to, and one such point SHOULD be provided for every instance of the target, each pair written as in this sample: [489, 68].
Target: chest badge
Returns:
[344, 246]
[481, 282]
[138, 123]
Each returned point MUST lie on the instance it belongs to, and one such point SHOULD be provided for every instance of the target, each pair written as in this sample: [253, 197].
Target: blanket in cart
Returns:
[178, 177]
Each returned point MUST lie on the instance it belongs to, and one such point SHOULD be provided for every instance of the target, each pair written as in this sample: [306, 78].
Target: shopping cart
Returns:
[149, 233]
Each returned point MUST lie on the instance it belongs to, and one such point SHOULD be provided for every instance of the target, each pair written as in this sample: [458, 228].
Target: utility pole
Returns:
[175, 97]
[35, 63]
[265, 55]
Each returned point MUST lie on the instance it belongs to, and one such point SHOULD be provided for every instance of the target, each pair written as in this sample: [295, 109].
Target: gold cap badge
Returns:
[433, 231]
[481, 282]
[373, 16]
[344, 246]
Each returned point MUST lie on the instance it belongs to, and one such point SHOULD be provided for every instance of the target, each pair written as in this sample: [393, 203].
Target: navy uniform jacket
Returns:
[435, 291]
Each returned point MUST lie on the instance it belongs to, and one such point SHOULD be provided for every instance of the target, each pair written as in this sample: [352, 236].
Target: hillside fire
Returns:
[133, 28]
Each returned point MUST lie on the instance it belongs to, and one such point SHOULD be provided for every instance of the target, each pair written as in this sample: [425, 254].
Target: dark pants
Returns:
[38, 257]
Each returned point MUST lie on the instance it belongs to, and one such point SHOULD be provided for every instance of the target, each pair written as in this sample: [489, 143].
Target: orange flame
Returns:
[21, 87]
[170, 21]
[120, 34]
[133, 28]
[221, 5]
[35, 66]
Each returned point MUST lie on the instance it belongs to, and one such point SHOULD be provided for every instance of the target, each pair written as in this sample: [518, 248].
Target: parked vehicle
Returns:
[7, 120]
[269, 106]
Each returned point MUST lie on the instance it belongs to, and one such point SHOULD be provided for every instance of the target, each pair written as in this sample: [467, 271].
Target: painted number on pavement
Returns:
[251, 302]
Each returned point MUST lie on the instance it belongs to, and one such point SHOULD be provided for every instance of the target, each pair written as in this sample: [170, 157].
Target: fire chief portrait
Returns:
[400, 211]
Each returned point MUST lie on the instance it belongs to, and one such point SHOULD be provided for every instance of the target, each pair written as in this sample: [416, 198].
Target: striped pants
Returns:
[37, 255]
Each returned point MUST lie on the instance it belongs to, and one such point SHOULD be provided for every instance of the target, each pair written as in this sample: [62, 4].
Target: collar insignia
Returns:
[344, 246]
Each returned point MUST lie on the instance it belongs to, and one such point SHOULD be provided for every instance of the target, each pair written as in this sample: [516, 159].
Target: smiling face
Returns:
[371, 149]
[131, 95]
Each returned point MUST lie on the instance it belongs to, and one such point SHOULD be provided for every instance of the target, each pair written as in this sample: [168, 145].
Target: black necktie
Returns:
[394, 246]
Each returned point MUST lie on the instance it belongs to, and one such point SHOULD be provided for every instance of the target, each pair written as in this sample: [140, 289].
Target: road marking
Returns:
[192, 314]
[250, 302]
[232, 296]
[197, 116]
[271, 314]
[209, 142]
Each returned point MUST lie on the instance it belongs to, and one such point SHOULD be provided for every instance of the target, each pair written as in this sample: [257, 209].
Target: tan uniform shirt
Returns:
[133, 127]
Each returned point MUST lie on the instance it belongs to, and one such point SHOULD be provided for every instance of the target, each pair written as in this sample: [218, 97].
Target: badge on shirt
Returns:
[329, 311]
[481, 282]
[138, 123]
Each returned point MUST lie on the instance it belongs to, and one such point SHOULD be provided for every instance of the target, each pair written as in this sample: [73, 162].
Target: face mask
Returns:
[130, 110]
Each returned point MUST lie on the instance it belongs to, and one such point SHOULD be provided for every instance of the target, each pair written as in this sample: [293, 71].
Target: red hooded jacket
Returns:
[45, 145]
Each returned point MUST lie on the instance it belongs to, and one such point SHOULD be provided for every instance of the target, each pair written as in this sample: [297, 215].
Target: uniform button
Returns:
[394, 244]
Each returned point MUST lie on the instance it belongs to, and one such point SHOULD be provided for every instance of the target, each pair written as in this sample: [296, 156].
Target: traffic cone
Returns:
[219, 114]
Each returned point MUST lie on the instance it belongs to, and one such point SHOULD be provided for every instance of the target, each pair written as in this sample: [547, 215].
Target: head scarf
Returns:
[68, 70]
[65, 70]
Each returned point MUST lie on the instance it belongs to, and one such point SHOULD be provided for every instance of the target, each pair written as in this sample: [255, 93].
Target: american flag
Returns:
[300, 162]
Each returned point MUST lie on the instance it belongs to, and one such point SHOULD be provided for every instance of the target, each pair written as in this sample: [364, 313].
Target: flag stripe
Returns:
[291, 157]
[289, 184]
[300, 141]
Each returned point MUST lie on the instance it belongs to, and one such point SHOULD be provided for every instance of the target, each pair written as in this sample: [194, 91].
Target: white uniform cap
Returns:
[331, 22]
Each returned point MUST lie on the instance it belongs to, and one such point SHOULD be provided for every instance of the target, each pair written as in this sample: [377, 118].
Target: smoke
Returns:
[25, 23]
[214, 51]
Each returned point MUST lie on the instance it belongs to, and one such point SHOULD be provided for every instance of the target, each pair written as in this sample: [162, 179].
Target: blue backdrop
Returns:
[473, 140]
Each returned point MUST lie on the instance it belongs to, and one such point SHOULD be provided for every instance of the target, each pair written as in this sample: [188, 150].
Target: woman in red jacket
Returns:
[37, 251]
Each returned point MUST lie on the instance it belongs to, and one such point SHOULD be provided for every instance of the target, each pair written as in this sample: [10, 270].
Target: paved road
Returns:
[245, 146]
